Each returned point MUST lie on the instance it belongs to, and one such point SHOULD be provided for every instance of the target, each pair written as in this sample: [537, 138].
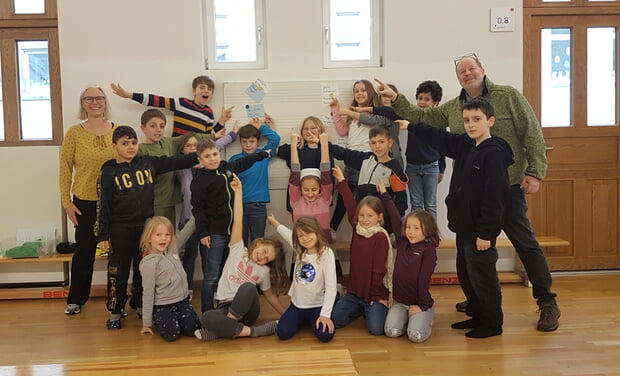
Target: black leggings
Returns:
[245, 306]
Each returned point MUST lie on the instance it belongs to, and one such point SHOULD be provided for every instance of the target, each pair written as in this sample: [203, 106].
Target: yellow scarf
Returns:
[389, 263]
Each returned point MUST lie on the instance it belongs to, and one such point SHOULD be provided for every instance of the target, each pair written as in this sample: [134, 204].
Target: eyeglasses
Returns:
[100, 98]
[472, 55]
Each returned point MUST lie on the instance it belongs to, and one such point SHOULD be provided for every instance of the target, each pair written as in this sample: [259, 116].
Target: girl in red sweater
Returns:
[370, 249]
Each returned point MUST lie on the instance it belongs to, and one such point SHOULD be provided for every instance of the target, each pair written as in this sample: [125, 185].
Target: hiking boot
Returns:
[462, 306]
[72, 309]
[549, 315]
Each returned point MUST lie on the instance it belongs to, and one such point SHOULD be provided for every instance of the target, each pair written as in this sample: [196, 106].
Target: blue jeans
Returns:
[213, 259]
[423, 181]
[350, 307]
[519, 230]
[254, 221]
[293, 318]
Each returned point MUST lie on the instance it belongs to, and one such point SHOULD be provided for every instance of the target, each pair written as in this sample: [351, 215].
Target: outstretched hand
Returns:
[338, 175]
[381, 187]
[402, 124]
[271, 218]
[118, 90]
[383, 89]
[235, 184]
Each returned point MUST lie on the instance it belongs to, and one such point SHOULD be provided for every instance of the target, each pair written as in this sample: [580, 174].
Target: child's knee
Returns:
[417, 336]
[393, 332]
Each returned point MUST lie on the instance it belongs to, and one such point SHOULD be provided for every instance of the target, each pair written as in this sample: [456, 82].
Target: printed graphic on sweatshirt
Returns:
[126, 181]
[244, 274]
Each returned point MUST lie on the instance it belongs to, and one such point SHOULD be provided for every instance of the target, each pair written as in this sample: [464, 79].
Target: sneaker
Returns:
[549, 315]
[72, 309]
[334, 235]
[467, 324]
[116, 324]
[462, 306]
[124, 313]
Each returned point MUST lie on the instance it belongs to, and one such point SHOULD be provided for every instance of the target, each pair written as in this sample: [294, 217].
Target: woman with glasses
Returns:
[86, 146]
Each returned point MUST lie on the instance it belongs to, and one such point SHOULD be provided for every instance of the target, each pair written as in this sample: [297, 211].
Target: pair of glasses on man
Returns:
[471, 55]
[99, 98]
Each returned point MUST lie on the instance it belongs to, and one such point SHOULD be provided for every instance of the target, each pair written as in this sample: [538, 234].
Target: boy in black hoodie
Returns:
[212, 201]
[125, 202]
[478, 194]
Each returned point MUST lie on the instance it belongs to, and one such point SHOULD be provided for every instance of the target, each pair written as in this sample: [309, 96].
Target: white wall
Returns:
[156, 46]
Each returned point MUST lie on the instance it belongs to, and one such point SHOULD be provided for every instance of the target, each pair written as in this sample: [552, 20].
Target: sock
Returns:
[115, 316]
[204, 335]
[264, 330]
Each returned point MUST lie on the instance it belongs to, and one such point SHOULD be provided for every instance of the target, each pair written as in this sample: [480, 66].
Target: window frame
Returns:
[24, 27]
[210, 61]
[376, 35]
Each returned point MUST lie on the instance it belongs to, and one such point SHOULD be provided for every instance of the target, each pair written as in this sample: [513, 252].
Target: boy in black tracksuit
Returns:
[377, 166]
[125, 202]
[212, 200]
[476, 201]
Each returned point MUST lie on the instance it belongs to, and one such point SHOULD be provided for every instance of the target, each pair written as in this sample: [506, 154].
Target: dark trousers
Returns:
[124, 251]
[84, 256]
[254, 221]
[245, 307]
[519, 230]
[294, 318]
[172, 320]
[478, 278]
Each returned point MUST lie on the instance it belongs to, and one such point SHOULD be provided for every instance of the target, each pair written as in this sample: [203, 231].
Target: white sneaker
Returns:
[72, 309]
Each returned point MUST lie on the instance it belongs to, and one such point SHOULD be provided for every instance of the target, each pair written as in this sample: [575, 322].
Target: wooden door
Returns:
[579, 198]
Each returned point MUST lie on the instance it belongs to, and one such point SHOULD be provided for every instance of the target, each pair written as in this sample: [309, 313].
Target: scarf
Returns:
[389, 263]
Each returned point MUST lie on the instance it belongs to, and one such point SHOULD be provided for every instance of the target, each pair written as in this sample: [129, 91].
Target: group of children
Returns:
[224, 211]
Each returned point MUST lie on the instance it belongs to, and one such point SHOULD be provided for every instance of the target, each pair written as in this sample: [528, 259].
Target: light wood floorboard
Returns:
[38, 339]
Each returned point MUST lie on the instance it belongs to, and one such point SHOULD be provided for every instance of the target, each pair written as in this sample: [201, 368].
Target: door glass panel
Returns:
[555, 80]
[35, 111]
[29, 6]
[602, 70]
[351, 26]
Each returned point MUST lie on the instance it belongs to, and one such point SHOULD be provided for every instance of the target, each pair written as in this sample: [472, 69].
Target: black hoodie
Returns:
[126, 189]
[479, 186]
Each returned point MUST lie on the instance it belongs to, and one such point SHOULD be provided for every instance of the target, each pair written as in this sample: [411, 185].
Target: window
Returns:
[352, 32]
[234, 34]
[30, 82]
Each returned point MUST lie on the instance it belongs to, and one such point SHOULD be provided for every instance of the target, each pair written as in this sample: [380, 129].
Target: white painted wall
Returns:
[156, 46]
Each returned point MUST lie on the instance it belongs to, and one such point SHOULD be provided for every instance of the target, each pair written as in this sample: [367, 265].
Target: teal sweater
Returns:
[515, 122]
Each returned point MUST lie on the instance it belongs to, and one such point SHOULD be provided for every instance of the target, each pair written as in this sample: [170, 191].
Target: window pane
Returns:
[34, 91]
[351, 30]
[602, 68]
[29, 6]
[555, 71]
[556, 1]
[235, 31]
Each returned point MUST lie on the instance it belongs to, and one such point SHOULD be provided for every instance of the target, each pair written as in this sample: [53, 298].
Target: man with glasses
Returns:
[517, 124]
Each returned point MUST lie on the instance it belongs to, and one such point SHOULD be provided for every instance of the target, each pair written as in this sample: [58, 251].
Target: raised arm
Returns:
[120, 91]
[341, 124]
[236, 231]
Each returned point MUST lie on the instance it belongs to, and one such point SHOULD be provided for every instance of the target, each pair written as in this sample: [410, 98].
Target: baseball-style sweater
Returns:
[189, 116]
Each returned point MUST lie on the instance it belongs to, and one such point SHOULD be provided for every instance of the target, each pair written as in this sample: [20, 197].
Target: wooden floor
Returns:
[38, 339]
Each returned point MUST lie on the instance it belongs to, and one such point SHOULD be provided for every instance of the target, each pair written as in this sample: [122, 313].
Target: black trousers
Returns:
[84, 255]
[124, 253]
[477, 275]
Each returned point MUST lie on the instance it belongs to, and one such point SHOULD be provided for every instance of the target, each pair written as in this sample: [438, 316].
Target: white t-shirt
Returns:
[238, 270]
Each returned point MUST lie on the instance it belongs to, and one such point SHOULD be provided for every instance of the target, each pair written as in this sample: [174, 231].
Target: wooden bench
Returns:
[35, 290]
[517, 276]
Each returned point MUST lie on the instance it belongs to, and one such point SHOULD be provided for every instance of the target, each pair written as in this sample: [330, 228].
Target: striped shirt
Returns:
[188, 115]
